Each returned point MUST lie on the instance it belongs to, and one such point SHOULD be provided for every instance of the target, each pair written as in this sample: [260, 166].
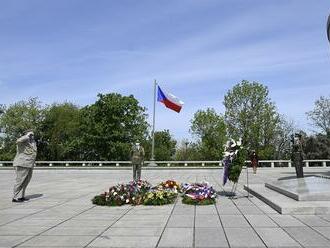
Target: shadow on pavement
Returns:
[226, 193]
[34, 196]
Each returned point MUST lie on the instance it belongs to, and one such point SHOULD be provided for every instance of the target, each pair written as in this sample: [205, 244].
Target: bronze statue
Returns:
[297, 156]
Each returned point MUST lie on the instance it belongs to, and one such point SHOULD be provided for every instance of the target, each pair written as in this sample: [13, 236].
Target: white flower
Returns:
[239, 142]
[127, 200]
[115, 193]
[226, 154]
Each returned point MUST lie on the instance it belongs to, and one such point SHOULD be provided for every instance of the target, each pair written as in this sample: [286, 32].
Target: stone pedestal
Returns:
[303, 189]
[309, 195]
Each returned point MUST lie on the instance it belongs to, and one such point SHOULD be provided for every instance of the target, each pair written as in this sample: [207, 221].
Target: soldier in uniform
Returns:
[137, 158]
[23, 163]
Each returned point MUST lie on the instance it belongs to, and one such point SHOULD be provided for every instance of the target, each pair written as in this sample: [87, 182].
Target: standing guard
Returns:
[137, 158]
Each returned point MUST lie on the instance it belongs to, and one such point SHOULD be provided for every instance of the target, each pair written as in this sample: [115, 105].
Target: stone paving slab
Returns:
[181, 221]
[119, 241]
[276, 237]
[260, 221]
[312, 220]
[177, 237]
[210, 237]
[234, 221]
[308, 237]
[286, 220]
[207, 221]
[74, 231]
[25, 231]
[134, 231]
[243, 237]
[10, 241]
[325, 231]
[58, 241]
[61, 214]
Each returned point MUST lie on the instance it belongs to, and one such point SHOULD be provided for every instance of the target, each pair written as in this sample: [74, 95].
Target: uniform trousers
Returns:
[137, 171]
[23, 177]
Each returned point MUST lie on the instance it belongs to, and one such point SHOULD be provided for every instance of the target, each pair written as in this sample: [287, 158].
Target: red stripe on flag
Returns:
[171, 105]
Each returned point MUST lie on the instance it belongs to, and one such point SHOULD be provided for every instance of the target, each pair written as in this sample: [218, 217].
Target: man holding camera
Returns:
[23, 163]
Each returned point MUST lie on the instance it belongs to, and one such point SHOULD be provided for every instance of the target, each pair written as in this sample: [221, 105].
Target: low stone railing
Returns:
[262, 163]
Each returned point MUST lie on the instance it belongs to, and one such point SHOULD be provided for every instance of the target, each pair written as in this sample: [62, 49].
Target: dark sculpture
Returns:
[297, 154]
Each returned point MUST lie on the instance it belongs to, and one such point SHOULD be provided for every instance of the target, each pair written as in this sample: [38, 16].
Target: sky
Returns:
[70, 50]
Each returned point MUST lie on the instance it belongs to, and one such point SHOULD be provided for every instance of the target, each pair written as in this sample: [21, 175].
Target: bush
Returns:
[235, 168]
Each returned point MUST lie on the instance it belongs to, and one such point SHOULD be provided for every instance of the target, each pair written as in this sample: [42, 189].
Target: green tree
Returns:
[188, 151]
[110, 126]
[14, 120]
[210, 130]
[60, 132]
[317, 146]
[320, 115]
[252, 116]
[164, 146]
[282, 141]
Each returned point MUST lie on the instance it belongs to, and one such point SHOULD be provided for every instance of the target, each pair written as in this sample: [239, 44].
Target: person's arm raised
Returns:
[24, 138]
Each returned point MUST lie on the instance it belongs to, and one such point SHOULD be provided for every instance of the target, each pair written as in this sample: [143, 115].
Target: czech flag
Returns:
[169, 100]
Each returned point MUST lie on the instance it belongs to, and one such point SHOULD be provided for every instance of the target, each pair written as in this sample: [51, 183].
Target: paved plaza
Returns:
[60, 214]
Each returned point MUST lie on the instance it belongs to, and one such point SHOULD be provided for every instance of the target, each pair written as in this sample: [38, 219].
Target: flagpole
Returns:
[152, 160]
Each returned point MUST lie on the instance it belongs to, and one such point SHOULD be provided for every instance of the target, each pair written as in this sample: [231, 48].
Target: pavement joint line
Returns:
[297, 220]
[107, 228]
[320, 216]
[327, 238]
[292, 237]
[168, 219]
[223, 228]
[42, 210]
[250, 224]
[278, 224]
[37, 235]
